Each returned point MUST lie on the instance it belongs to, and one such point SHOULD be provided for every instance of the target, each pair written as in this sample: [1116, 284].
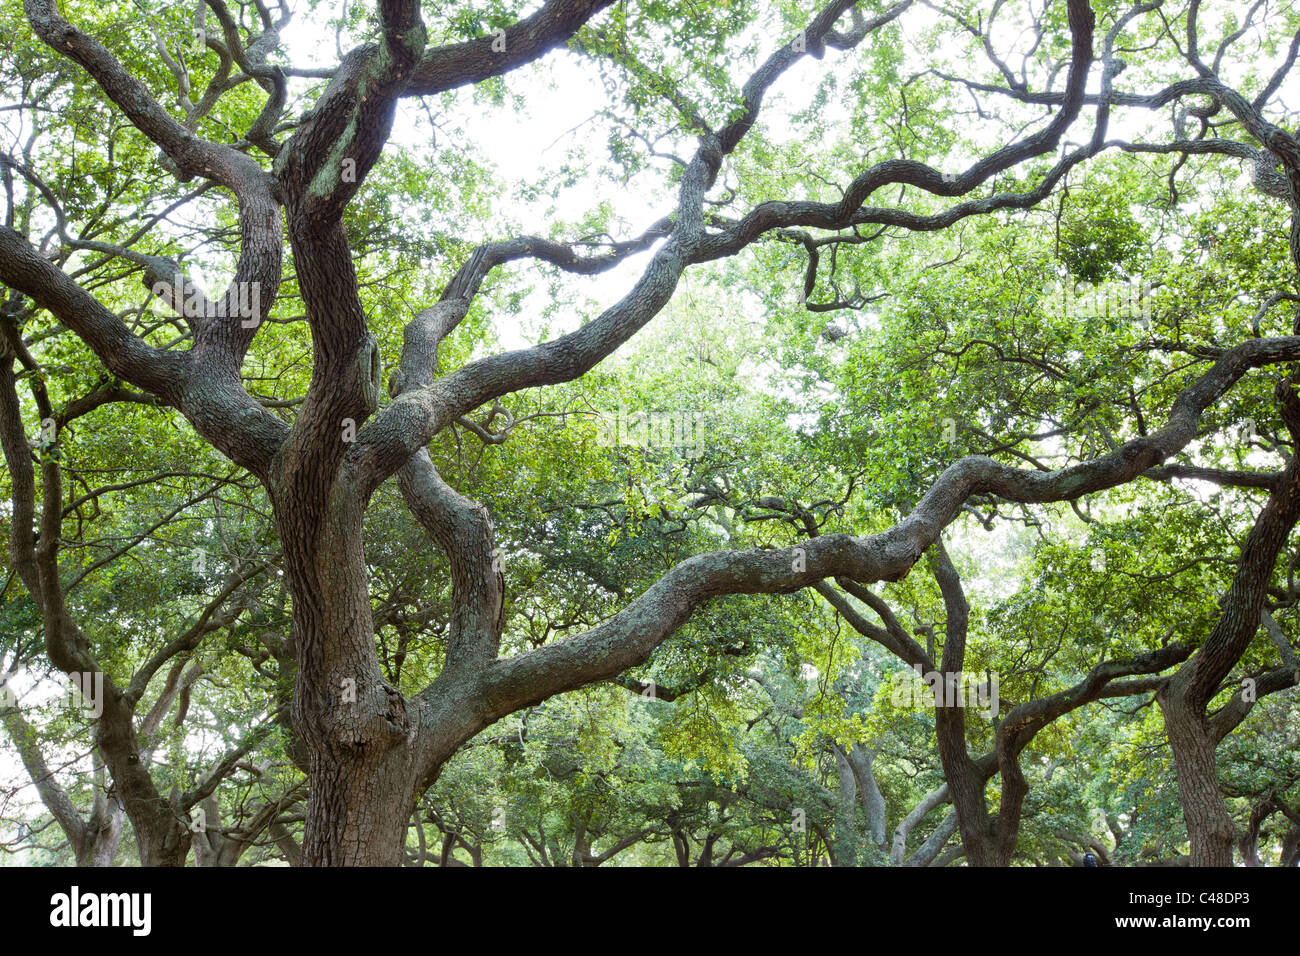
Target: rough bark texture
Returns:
[1193, 737]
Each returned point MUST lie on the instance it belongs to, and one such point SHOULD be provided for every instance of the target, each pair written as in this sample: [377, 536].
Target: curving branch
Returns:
[420, 413]
[627, 639]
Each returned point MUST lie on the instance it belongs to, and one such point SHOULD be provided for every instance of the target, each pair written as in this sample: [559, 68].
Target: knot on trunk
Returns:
[395, 715]
[377, 718]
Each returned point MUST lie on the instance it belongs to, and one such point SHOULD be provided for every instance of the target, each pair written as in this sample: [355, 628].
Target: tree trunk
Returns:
[1210, 830]
[1184, 700]
[104, 828]
[286, 843]
[873, 801]
[1291, 847]
[161, 830]
[1249, 844]
[846, 831]
[355, 726]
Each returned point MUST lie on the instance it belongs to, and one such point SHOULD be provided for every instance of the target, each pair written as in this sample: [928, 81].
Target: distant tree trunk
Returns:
[898, 852]
[1290, 855]
[1249, 844]
[93, 840]
[873, 801]
[846, 831]
[287, 845]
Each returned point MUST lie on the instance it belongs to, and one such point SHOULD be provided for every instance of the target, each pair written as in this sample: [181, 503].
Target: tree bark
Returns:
[1184, 699]
[1210, 830]
[846, 831]
[355, 726]
[861, 760]
[1290, 855]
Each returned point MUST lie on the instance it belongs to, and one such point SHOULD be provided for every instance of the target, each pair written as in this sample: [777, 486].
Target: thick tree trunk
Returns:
[164, 846]
[104, 845]
[1210, 830]
[355, 726]
[965, 777]
[357, 811]
[966, 785]
[162, 832]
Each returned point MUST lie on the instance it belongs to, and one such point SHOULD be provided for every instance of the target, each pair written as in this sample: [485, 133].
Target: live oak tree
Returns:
[322, 458]
[166, 597]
